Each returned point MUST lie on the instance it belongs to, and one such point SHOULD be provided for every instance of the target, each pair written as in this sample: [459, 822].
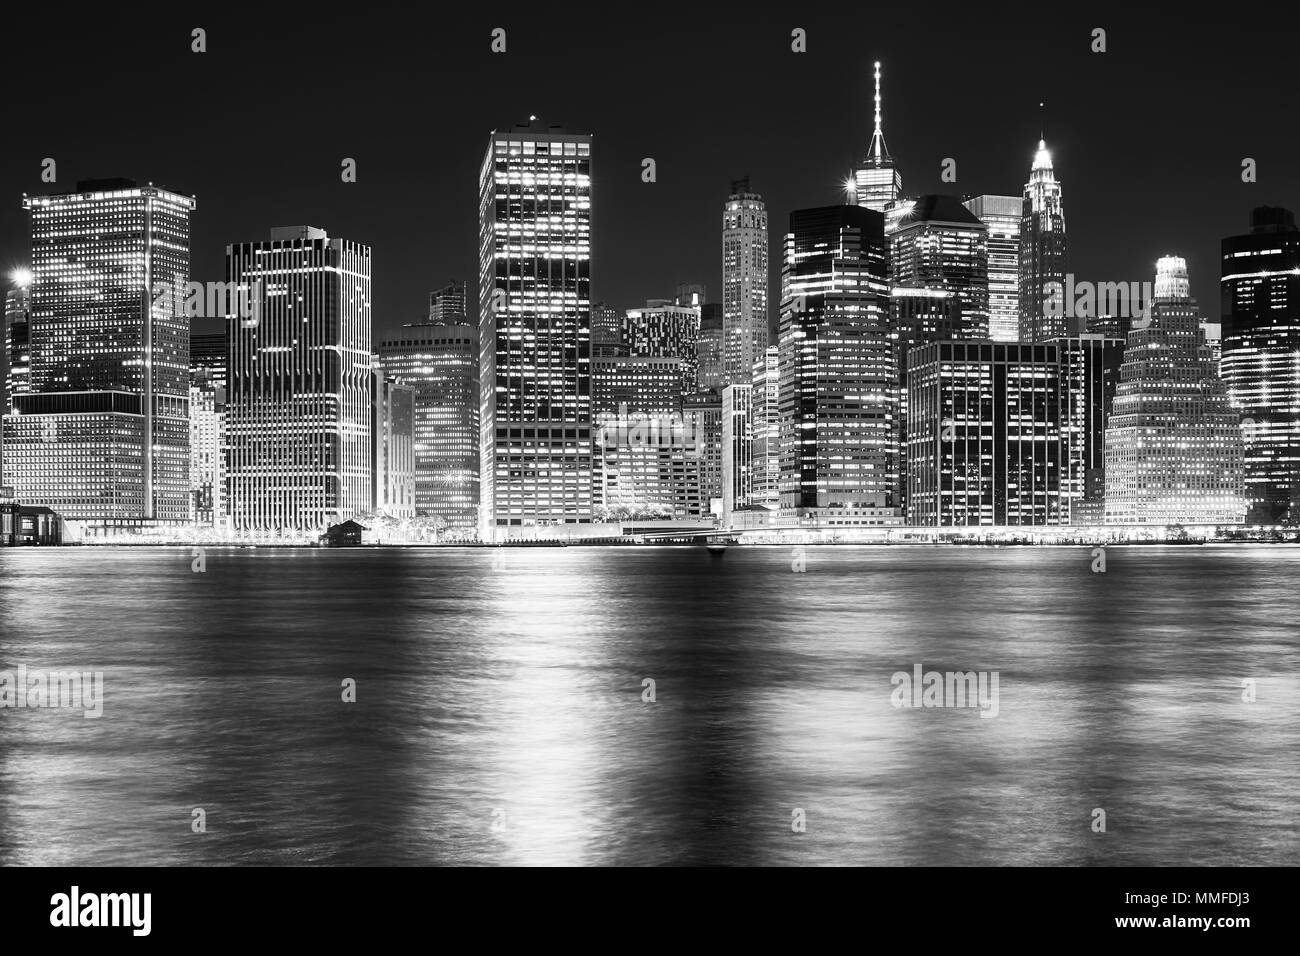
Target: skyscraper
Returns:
[839, 380]
[1090, 366]
[744, 282]
[940, 244]
[1173, 442]
[710, 372]
[765, 422]
[1042, 252]
[1002, 216]
[984, 439]
[103, 434]
[440, 362]
[392, 446]
[17, 357]
[299, 399]
[737, 449]
[1260, 284]
[877, 181]
[447, 305]
[535, 217]
[665, 329]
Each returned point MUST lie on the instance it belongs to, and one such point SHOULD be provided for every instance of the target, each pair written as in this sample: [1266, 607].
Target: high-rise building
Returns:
[940, 244]
[1090, 367]
[690, 295]
[535, 217]
[877, 182]
[606, 327]
[17, 357]
[710, 372]
[440, 363]
[1042, 253]
[838, 370]
[447, 305]
[299, 399]
[1260, 285]
[737, 450]
[702, 415]
[1002, 216]
[744, 282]
[1173, 442]
[392, 446]
[102, 436]
[208, 357]
[208, 429]
[765, 421]
[984, 434]
[664, 329]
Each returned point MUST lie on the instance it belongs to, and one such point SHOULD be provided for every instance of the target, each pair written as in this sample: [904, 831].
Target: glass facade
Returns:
[940, 244]
[1002, 216]
[744, 282]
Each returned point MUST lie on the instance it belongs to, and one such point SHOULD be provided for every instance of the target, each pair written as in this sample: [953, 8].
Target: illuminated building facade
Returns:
[838, 368]
[535, 331]
[940, 244]
[298, 410]
[1001, 214]
[744, 282]
[17, 356]
[765, 421]
[392, 447]
[710, 373]
[702, 417]
[737, 450]
[102, 435]
[665, 329]
[1090, 366]
[208, 429]
[1042, 252]
[1260, 283]
[1174, 452]
[984, 434]
[447, 305]
[877, 182]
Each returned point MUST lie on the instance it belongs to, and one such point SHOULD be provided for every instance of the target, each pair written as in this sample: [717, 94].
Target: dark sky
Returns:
[1148, 137]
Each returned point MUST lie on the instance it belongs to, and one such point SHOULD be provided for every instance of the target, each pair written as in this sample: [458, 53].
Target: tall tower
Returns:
[744, 282]
[1042, 252]
[877, 182]
[535, 214]
[1260, 282]
[102, 435]
[1002, 216]
[940, 244]
[1173, 448]
[298, 408]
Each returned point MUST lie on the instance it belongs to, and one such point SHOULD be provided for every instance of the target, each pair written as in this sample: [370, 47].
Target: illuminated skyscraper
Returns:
[737, 450]
[984, 434]
[744, 282]
[665, 329]
[1090, 367]
[392, 446]
[838, 370]
[940, 244]
[103, 434]
[1002, 216]
[765, 421]
[1042, 252]
[17, 357]
[1173, 442]
[447, 305]
[1260, 284]
[877, 181]
[440, 362]
[535, 330]
[299, 399]
[709, 374]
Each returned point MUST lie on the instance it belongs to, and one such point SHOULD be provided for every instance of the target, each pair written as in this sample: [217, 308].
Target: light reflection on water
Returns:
[500, 718]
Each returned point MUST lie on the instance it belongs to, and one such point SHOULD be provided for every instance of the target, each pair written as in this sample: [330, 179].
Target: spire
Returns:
[879, 153]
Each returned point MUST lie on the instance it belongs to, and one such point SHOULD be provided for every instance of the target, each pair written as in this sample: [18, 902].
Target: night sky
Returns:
[1147, 138]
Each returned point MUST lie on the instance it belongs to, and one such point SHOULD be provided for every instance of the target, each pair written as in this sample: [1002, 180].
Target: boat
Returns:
[717, 543]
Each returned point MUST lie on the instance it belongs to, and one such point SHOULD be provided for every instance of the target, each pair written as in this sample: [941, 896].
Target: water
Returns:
[499, 715]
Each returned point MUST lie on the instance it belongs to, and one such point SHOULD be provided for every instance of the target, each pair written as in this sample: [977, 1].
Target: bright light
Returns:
[21, 278]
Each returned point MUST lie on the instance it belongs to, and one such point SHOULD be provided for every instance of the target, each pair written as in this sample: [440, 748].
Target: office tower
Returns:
[535, 330]
[298, 403]
[1173, 442]
[440, 363]
[664, 329]
[984, 434]
[208, 429]
[690, 295]
[918, 316]
[1042, 253]
[940, 244]
[646, 462]
[877, 181]
[839, 378]
[737, 450]
[1001, 214]
[702, 417]
[1090, 366]
[392, 446]
[744, 282]
[447, 305]
[103, 434]
[17, 358]
[208, 357]
[710, 367]
[765, 421]
[606, 323]
[1260, 287]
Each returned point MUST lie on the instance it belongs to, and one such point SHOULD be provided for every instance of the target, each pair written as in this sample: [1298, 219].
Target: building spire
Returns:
[879, 153]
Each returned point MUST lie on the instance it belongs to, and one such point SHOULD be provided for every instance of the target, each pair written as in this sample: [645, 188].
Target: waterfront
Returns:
[500, 715]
